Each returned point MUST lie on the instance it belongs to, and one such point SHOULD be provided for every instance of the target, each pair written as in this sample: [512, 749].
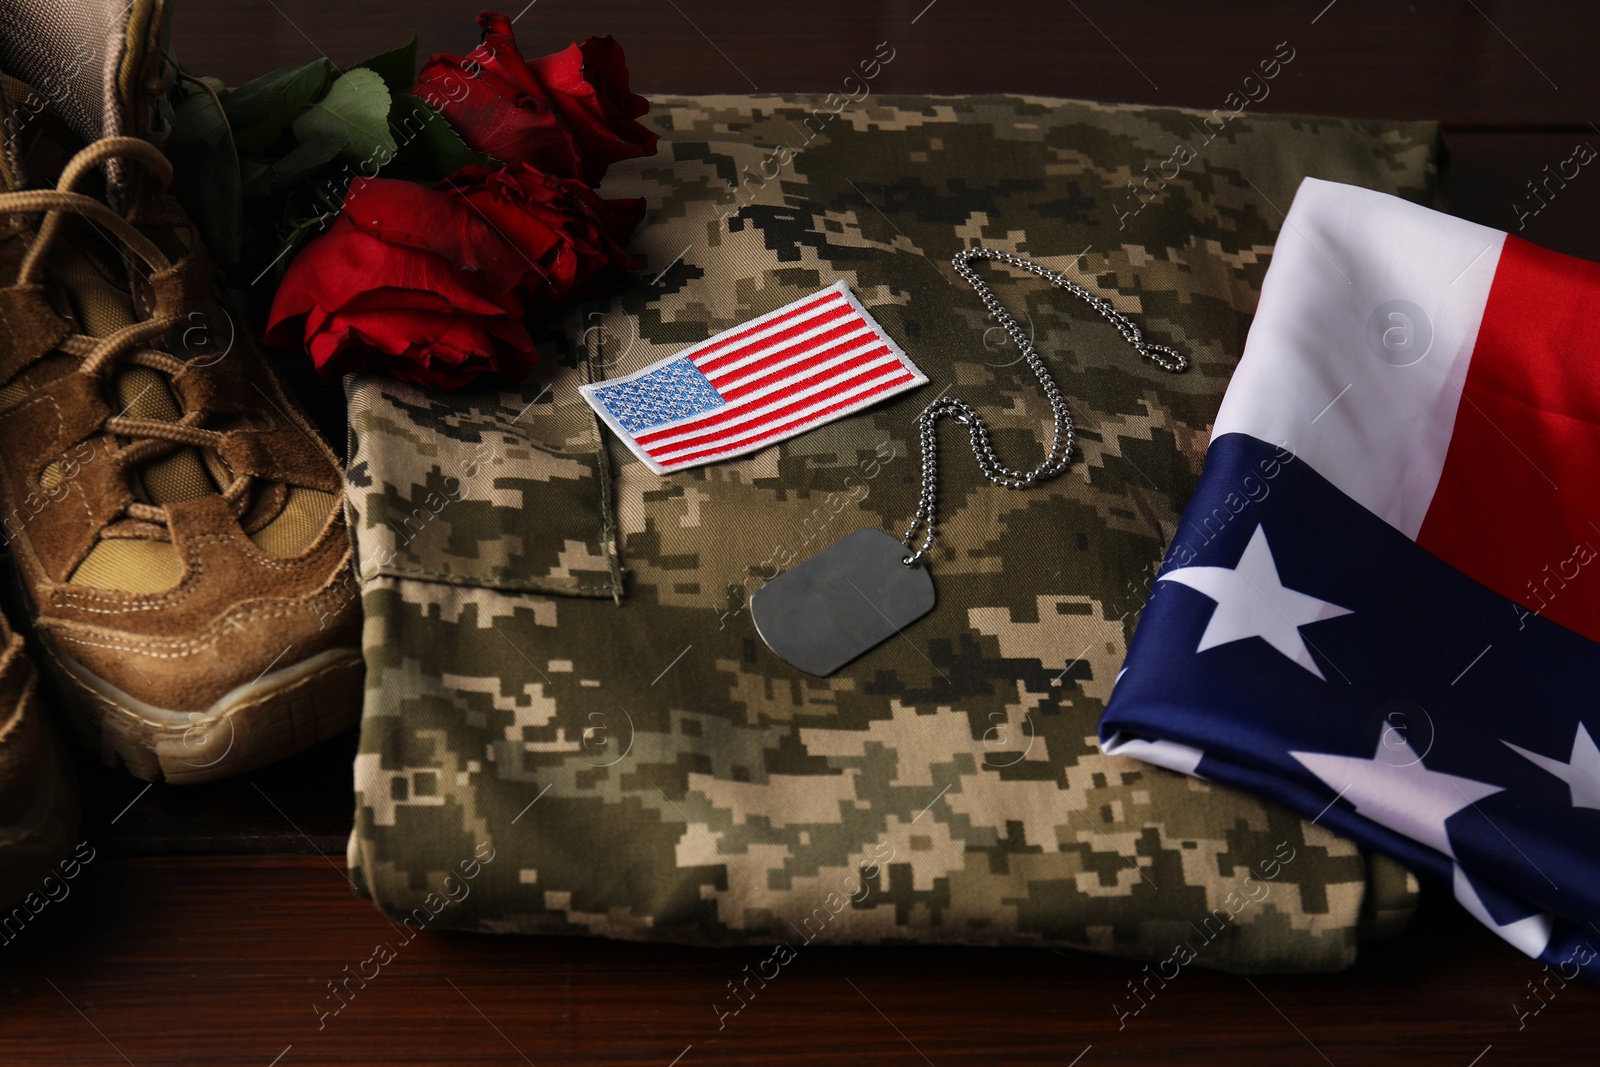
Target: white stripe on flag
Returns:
[1350, 264]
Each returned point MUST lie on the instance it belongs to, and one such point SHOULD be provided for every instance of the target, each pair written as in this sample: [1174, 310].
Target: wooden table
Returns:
[212, 918]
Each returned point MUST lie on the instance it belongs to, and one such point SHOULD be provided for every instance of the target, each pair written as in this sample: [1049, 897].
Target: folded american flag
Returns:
[810, 362]
[1382, 608]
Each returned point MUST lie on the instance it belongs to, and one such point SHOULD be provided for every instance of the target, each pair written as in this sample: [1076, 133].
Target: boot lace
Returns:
[149, 439]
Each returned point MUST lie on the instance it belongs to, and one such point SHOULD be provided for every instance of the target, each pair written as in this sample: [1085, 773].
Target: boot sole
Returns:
[277, 715]
[30, 849]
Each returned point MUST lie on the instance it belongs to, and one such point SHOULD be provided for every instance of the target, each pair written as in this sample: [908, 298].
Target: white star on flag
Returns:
[1253, 602]
[1530, 934]
[1394, 789]
[1581, 771]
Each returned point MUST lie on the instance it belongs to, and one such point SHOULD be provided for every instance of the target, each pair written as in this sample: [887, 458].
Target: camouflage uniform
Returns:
[560, 656]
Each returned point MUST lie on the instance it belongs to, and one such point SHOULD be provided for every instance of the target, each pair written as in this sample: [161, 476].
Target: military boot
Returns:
[173, 518]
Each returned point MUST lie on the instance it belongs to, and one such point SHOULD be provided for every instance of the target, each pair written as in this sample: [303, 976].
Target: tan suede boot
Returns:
[174, 519]
[38, 803]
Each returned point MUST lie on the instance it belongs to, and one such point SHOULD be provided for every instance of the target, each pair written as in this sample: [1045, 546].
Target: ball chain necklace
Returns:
[862, 590]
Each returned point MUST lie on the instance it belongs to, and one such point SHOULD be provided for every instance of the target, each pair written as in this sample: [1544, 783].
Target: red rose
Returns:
[572, 240]
[588, 86]
[569, 114]
[411, 279]
[430, 283]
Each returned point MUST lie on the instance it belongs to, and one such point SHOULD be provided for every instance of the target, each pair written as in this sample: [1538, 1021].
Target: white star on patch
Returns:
[1581, 771]
[1253, 602]
[1394, 789]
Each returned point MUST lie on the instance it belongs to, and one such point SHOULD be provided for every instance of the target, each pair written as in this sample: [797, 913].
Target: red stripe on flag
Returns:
[726, 423]
[900, 377]
[1518, 502]
[707, 358]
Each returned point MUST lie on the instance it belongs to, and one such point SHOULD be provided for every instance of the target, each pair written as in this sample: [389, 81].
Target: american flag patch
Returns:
[813, 361]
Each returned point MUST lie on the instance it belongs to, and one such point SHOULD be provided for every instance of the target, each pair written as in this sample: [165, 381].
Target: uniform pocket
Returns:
[506, 487]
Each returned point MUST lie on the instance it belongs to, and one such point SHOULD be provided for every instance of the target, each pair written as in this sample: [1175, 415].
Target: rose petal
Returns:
[495, 103]
[587, 85]
[404, 213]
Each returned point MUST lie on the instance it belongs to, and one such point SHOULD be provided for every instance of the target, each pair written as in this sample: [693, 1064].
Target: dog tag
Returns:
[850, 597]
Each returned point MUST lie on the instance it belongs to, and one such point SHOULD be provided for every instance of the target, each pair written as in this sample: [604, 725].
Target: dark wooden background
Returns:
[212, 917]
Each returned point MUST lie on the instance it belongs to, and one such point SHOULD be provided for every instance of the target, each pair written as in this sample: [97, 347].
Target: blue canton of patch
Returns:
[668, 393]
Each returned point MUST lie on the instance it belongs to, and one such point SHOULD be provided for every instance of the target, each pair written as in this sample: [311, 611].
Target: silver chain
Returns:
[1060, 453]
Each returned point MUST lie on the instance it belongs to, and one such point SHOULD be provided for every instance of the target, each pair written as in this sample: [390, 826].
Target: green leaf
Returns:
[264, 179]
[397, 67]
[354, 115]
[196, 123]
[305, 158]
[260, 110]
[429, 149]
[206, 175]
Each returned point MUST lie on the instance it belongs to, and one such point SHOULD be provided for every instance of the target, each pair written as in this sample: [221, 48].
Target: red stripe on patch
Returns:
[743, 419]
[726, 350]
[738, 408]
[900, 377]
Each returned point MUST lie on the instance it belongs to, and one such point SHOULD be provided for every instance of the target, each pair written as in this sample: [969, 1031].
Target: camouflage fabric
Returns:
[562, 667]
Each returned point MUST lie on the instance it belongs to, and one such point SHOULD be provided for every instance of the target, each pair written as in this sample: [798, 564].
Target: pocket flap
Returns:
[506, 487]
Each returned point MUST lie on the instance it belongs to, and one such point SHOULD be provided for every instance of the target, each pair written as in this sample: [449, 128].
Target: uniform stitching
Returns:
[608, 530]
[454, 579]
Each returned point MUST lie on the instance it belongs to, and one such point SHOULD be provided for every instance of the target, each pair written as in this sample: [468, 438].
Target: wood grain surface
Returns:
[226, 960]
[212, 920]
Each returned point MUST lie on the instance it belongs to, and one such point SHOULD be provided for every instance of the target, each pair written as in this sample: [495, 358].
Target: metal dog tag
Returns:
[850, 597]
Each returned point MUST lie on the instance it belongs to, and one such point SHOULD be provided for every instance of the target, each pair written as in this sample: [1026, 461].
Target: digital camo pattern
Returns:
[503, 491]
[560, 657]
